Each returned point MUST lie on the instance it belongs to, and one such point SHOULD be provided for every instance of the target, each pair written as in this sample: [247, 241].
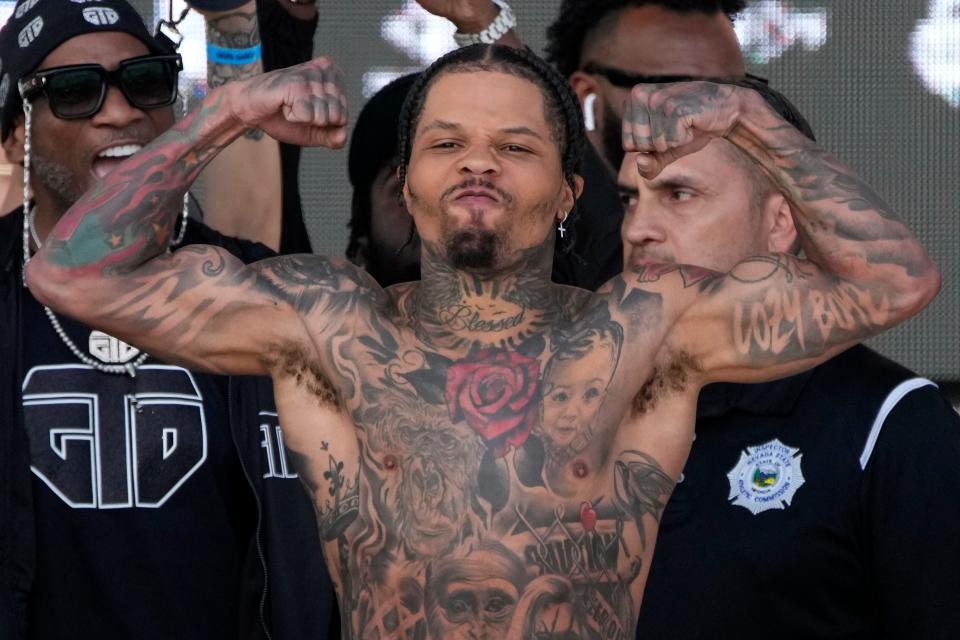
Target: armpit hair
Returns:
[293, 361]
[670, 375]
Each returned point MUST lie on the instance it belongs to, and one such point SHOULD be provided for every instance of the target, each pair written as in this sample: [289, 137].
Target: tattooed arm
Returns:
[105, 262]
[243, 195]
[774, 314]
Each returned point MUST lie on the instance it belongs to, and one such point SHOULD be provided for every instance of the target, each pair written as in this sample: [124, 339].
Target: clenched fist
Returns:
[302, 105]
[664, 122]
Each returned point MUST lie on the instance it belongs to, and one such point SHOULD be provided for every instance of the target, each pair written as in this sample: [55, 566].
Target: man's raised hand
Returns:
[469, 16]
[664, 122]
[302, 105]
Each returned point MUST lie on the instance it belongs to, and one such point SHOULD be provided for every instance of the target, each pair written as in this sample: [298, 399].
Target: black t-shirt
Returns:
[821, 506]
[143, 514]
[138, 493]
[597, 251]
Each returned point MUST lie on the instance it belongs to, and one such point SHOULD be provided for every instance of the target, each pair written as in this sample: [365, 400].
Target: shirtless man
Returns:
[412, 412]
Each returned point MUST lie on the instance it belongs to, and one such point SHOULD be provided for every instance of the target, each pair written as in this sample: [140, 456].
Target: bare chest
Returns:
[458, 531]
[486, 490]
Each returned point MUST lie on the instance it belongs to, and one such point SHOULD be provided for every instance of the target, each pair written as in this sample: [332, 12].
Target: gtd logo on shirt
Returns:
[99, 447]
[101, 16]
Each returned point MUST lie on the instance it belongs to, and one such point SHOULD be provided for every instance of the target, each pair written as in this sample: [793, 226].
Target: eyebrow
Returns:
[444, 125]
[674, 182]
[521, 130]
[625, 188]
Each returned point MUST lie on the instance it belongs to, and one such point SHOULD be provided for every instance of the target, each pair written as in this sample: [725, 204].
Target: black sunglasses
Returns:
[78, 91]
[628, 80]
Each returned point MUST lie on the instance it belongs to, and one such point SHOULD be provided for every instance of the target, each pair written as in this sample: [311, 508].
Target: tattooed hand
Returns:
[865, 271]
[664, 122]
[302, 105]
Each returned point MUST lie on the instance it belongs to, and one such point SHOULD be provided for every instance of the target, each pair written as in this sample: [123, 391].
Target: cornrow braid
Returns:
[561, 104]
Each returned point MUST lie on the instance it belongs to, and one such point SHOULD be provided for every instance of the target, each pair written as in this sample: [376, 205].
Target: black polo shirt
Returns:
[826, 505]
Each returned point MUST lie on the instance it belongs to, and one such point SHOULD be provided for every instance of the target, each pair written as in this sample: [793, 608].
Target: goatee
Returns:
[473, 249]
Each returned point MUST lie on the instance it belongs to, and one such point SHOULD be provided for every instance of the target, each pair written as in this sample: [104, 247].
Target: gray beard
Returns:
[56, 179]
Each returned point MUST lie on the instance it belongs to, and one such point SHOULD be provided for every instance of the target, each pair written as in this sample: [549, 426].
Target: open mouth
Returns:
[108, 159]
[565, 431]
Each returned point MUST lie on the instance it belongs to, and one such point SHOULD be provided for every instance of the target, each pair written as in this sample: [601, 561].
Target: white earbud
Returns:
[589, 120]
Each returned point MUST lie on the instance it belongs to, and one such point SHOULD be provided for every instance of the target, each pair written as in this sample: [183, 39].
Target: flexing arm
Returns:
[105, 262]
[778, 313]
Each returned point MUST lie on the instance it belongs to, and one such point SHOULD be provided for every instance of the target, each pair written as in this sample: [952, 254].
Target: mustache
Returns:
[650, 256]
[505, 197]
[141, 134]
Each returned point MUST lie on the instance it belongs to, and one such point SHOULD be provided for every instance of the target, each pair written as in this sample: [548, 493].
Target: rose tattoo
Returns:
[497, 393]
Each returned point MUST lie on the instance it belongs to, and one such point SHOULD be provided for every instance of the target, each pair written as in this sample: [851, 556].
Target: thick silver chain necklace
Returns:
[129, 368]
[30, 231]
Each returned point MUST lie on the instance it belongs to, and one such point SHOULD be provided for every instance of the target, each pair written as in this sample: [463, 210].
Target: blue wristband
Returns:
[237, 57]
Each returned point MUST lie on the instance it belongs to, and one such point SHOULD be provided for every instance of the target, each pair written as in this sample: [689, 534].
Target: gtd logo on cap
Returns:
[101, 16]
[26, 6]
[30, 32]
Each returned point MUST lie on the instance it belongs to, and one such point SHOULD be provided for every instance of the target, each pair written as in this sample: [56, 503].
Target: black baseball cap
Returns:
[37, 27]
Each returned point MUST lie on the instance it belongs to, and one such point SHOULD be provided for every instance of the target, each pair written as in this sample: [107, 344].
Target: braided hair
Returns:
[561, 104]
[579, 21]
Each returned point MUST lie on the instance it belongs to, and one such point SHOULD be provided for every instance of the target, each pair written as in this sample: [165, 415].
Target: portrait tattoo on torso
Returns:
[487, 497]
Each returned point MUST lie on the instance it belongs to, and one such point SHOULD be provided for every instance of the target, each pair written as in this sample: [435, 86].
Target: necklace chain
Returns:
[30, 232]
[130, 368]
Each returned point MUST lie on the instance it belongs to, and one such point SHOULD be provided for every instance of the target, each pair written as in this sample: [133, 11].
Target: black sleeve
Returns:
[199, 233]
[287, 41]
[912, 518]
